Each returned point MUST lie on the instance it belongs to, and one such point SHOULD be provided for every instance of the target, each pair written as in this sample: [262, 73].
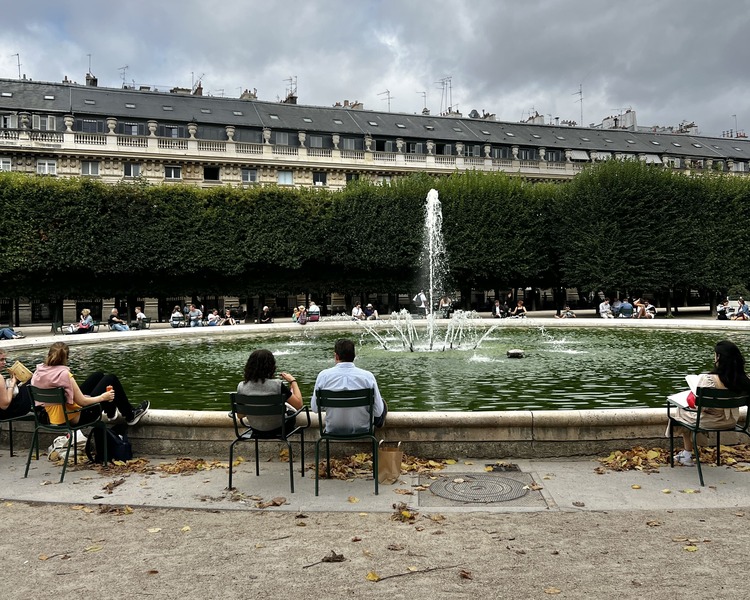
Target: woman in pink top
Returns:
[99, 392]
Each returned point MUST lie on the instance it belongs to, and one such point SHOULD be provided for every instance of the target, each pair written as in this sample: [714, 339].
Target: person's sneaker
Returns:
[685, 458]
[139, 412]
[107, 419]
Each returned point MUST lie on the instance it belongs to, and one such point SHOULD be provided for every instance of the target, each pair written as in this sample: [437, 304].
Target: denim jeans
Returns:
[120, 327]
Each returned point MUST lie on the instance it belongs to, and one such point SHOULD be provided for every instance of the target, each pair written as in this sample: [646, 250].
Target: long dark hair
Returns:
[730, 366]
[261, 365]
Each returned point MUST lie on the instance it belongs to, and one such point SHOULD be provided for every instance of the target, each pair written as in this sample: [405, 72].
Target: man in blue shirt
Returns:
[345, 376]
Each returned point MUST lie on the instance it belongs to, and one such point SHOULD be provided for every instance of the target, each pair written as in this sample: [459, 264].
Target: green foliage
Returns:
[618, 225]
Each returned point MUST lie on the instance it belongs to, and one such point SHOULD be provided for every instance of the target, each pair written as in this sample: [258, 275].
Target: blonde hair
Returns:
[57, 354]
[85, 312]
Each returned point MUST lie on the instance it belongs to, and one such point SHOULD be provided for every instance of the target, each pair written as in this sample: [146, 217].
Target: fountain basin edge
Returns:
[490, 434]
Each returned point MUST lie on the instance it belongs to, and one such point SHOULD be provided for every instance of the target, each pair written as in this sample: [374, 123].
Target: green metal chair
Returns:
[57, 396]
[709, 398]
[273, 406]
[342, 400]
[29, 416]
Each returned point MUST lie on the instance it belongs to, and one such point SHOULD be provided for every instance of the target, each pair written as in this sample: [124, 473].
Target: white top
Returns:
[346, 376]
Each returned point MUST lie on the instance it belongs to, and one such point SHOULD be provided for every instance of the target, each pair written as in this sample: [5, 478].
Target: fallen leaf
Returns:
[458, 480]
[185, 529]
[395, 547]
[635, 486]
[653, 523]
[154, 529]
[356, 539]
[689, 491]
[403, 492]
[93, 548]
[579, 504]
[77, 507]
[690, 548]
[450, 461]
[419, 528]
[464, 574]
[152, 572]
[468, 462]
[552, 590]
[680, 539]
[352, 499]
[301, 524]
[43, 557]
[333, 557]
[373, 576]
[666, 491]
[412, 569]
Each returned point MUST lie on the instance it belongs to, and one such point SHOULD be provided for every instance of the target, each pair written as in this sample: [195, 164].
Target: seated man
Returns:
[139, 316]
[345, 376]
[605, 310]
[266, 316]
[566, 313]
[499, 311]
[626, 309]
[116, 323]
[313, 313]
[357, 313]
[370, 313]
[195, 315]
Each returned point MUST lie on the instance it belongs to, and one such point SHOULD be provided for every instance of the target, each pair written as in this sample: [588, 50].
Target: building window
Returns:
[444, 149]
[211, 174]
[319, 178]
[43, 122]
[281, 138]
[504, 152]
[131, 170]
[171, 131]
[172, 172]
[285, 178]
[473, 150]
[352, 177]
[348, 143]
[46, 167]
[90, 168]
[249, 175]
[416, 148]
[551, 155]
[89, 126]
[528, 154]
[132, 128]
[383, 180]
[316, 141]
[5, 164]
[9, 122]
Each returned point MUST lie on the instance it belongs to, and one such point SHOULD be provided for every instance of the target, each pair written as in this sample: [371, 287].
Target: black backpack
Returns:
[118, 446]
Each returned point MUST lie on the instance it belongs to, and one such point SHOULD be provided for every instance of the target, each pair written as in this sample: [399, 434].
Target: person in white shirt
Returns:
[345, 376]
[357, 313]
[313, 313]
[421, 301]
[605, 310]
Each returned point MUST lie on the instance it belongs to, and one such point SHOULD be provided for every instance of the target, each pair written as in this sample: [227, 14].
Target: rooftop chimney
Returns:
[91, 80]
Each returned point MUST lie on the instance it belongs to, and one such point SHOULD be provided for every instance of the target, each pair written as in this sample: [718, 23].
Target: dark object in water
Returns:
[515, 353]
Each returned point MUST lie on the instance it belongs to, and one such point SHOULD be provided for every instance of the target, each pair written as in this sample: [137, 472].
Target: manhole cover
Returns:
[479, 488]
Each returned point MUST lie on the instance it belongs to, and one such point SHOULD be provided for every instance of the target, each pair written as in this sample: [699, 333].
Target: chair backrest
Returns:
[344, 399]
[258, 406]
[54, 395]
[717, 398]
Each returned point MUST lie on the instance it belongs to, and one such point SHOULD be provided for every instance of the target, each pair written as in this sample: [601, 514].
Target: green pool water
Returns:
[563, 368]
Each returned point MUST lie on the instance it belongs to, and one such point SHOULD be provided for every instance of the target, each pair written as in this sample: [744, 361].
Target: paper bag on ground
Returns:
[389, 463]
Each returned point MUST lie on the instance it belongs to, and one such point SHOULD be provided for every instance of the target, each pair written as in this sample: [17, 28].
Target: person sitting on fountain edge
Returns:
[345, 376]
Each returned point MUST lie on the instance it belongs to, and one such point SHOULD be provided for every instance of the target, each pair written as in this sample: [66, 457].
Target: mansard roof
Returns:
[141, 105]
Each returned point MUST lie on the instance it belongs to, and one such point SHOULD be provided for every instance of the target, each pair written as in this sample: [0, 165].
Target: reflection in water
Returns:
[588, 368]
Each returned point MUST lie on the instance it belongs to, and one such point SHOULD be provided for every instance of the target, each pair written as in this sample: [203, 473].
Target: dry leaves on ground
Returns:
[360, 465]
[649, 460]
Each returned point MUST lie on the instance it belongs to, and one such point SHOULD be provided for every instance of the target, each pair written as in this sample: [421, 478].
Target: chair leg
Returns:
[67, 455]
[317, 465]
[375, 463]
[302, 451]
[257, 459]
[671, 443]
[231, 461]
[718, 448]
[34, 442]
[10, 436]
[291, 465]
[697, 452]
[328, 459]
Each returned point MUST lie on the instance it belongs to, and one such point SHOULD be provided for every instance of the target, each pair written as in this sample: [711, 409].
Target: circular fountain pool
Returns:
[570, 368]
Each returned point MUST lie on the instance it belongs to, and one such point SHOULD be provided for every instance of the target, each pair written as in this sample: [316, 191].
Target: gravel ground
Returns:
[74, 551]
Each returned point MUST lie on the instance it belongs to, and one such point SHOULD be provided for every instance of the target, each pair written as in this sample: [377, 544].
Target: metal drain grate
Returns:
[480, 489]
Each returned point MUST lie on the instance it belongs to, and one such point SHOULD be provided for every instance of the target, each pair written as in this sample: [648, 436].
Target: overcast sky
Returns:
[670, 60]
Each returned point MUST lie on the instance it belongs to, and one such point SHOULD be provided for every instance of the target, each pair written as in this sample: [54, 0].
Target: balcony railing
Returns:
[172, 144]
[131, 141]
[47, 136]
[243, 148]
[389, 157]
[209, 146]
[353, 154]
[90, 139]
[285, 151]
[445, 161]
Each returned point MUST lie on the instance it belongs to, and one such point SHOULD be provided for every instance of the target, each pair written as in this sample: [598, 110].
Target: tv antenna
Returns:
[195, 83]
[89, 55]
[292, 89]
[579, 93]
[123, 74]
[18, 57]
[424, 99]
[388, 97]
[446, 96]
